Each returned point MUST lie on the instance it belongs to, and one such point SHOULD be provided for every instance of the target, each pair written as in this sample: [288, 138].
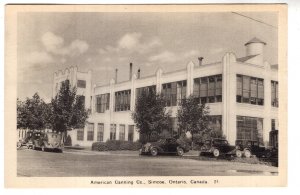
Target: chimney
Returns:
[200, 60]
[130, 71]
[139, 73]
[116, 75]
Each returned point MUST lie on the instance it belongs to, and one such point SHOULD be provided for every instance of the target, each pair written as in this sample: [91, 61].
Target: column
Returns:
[267, 104]
[190, 79]
[229, 97]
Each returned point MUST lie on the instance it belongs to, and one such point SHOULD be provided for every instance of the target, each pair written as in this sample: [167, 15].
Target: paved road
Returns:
[74, 163]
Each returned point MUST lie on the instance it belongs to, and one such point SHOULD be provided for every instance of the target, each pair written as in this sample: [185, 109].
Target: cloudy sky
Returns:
[101, 42]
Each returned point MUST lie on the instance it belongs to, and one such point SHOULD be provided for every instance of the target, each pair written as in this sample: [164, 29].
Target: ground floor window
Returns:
[249, 128]
[80, 134]
[122, 132]
[130, 132]
[90, 132]
[100, 132]
[215, 123]
[113, 132]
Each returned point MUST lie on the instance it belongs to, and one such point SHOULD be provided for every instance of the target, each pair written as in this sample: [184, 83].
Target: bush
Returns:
[114, 145]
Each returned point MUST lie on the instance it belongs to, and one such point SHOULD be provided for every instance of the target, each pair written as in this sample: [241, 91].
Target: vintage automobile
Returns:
[25, 141]
[248, 148]
[47, 141]
[217, 147]
[168, 145]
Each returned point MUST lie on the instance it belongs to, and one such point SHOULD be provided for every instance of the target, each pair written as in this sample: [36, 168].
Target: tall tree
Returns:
[31, 114]
[67, 109]
[192, 116]
[150, 114]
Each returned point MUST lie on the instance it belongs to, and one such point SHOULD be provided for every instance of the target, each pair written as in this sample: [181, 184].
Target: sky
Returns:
[102, 42]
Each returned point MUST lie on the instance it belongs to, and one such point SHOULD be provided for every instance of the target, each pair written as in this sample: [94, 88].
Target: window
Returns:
[130, 132]
[102, 102]
[215, 122]
[273, 125]
[122, 100]
[113, 132]
[250, 128]
[80, 134]
[147, 89]
[174, 92]
[81, 99]
[100, 132]
[81, 83]
[122, 132]
[249, 90]
[90, 132]
[274, 93]
[208, 89]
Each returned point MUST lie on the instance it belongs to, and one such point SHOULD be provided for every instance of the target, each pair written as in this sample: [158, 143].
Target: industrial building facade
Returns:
[242, 94]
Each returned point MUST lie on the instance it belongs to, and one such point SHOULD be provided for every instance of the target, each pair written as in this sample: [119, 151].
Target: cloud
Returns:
[190, 53]
[163, 57]
[216, 50]
[55, 44]
[37, 57]
[132, 42]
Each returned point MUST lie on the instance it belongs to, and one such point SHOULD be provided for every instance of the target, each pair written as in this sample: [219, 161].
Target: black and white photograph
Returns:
[134, 95]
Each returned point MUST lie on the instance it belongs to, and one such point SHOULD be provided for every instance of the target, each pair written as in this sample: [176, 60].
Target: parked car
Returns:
[25, 141]
[216, 147]
[47, 141]
[168, 145]
[248, 148]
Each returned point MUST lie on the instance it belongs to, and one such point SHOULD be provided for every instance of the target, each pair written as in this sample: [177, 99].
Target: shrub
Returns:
[114, 145]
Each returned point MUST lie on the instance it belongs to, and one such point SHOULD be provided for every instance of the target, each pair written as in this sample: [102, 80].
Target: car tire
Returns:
[238, 153]
[216, 152]
[247, 153]
[154, 151]
[180, 151]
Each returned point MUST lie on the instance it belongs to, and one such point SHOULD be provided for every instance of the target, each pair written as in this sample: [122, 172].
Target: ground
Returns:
[83, 163]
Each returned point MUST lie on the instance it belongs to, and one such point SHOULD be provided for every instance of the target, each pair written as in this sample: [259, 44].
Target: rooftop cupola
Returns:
[255, 48]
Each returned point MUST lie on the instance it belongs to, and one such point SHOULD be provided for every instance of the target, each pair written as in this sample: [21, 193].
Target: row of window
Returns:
[250, 90]
[100, 132]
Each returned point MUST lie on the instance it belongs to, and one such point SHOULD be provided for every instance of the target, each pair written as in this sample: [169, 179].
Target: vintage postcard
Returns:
[146, 95]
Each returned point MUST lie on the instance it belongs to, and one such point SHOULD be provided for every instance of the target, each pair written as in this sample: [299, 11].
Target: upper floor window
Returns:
[208, 89]
[147, 89]
[250, 90]
[81, 83]
[274, 93]
[174, 92]
[122, 100]
[102, 102]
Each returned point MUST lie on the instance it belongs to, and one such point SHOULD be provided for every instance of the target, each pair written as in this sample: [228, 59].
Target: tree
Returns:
[150, 114]
[31, 114]
[193, 117]
[67, 109]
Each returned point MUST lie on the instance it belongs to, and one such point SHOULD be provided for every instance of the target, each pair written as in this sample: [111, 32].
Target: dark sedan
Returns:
[163, 146]
[216, 147]
[248, 148]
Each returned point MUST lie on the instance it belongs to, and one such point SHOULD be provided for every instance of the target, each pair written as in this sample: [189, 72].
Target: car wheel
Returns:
[238, 153]
[247, 153]
[268, 154]
[216, 152]
[154, 151]
[180, 151]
